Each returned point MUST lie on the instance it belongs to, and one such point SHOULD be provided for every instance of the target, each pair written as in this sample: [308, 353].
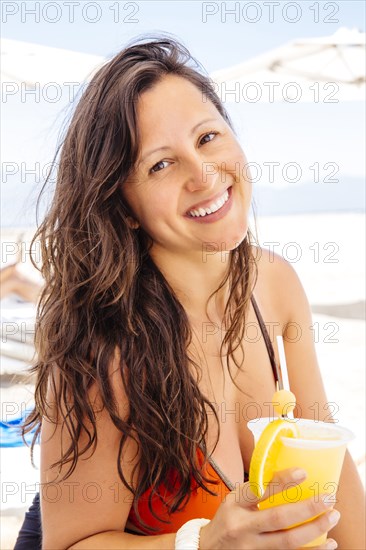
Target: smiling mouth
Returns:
[213, 207]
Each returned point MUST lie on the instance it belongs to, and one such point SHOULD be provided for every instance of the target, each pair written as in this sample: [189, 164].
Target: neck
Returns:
[194, 278]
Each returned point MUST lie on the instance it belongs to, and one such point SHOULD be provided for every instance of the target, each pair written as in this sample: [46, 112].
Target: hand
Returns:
[238, 523]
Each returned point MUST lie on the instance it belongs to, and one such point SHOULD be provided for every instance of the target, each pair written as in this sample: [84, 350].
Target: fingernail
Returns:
[298, 474]
[334, 517]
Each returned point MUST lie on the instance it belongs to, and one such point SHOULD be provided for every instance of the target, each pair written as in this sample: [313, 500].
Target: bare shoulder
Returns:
[272, 264]
[278, 284]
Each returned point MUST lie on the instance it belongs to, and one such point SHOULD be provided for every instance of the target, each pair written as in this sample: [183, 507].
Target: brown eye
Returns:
[156, 168]
[206, 138]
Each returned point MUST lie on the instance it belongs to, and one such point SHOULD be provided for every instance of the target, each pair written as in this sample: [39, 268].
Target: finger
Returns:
[299, 536]
[282, 479]
[245, 496]
[284, 516]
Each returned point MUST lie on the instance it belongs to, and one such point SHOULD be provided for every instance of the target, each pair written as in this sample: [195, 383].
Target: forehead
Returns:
[172, 104]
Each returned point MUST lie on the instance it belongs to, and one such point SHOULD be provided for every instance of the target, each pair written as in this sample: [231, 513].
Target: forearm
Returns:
[118, 540]
[350, 531]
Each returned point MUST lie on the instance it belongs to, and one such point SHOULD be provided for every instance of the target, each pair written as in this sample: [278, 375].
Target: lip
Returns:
[210, 218]
[206, 204]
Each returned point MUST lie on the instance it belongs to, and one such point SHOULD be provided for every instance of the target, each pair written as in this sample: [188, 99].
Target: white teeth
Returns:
[212, 208]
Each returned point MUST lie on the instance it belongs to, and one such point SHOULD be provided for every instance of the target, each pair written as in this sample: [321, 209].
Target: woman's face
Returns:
[189, 160]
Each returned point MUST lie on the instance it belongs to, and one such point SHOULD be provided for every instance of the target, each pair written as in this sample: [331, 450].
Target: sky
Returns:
[218, 34]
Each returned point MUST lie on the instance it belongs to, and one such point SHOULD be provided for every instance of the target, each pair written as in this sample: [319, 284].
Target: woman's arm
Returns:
[92, 500]
[115, 540]
[306, 383]
[350, 532]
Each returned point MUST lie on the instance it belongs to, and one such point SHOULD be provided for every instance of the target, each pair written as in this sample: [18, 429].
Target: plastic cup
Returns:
[319, 450]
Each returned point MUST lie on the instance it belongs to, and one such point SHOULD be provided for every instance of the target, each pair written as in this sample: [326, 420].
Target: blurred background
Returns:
[292, 77]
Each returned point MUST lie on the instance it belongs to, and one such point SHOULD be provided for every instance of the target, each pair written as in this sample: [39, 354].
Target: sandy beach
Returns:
[328, 254]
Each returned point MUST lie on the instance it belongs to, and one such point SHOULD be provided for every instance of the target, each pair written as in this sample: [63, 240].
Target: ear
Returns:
[132, 223]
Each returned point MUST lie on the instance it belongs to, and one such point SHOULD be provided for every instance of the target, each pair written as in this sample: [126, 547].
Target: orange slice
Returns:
[263, 462]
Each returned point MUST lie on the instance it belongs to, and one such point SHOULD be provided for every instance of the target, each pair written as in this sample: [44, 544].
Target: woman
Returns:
[152, 279]
[12, 281]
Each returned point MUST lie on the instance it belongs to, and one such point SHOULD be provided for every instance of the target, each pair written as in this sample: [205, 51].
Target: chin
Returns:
[232, 242]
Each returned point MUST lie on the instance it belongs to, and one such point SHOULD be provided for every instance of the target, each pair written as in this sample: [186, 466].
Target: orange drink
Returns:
[316, 447]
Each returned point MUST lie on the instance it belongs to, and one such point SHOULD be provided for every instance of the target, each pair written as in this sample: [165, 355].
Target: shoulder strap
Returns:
[267, 340]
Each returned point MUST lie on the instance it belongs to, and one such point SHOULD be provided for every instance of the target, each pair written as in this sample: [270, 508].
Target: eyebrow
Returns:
[165, 148]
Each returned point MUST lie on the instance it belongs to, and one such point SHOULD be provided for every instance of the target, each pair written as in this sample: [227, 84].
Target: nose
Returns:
[200, 173]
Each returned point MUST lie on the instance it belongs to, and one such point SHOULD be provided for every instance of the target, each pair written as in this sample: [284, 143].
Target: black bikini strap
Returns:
[267, 340]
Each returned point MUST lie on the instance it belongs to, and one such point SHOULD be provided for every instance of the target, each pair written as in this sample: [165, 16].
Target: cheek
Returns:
[155, 209]
[144, 202]
[237, 165]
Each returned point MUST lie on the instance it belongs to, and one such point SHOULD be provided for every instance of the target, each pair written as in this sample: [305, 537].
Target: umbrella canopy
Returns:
[326, 69]
[24, 62]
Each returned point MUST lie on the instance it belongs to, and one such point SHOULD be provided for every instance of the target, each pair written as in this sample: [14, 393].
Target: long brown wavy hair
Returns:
[103, 292]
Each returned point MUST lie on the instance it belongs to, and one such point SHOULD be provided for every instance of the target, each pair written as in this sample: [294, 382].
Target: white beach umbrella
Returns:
[27, 66]
[326, 69]
[24, 62]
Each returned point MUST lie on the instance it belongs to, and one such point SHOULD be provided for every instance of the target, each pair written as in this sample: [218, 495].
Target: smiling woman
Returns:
[197, 180]
[152, 279]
